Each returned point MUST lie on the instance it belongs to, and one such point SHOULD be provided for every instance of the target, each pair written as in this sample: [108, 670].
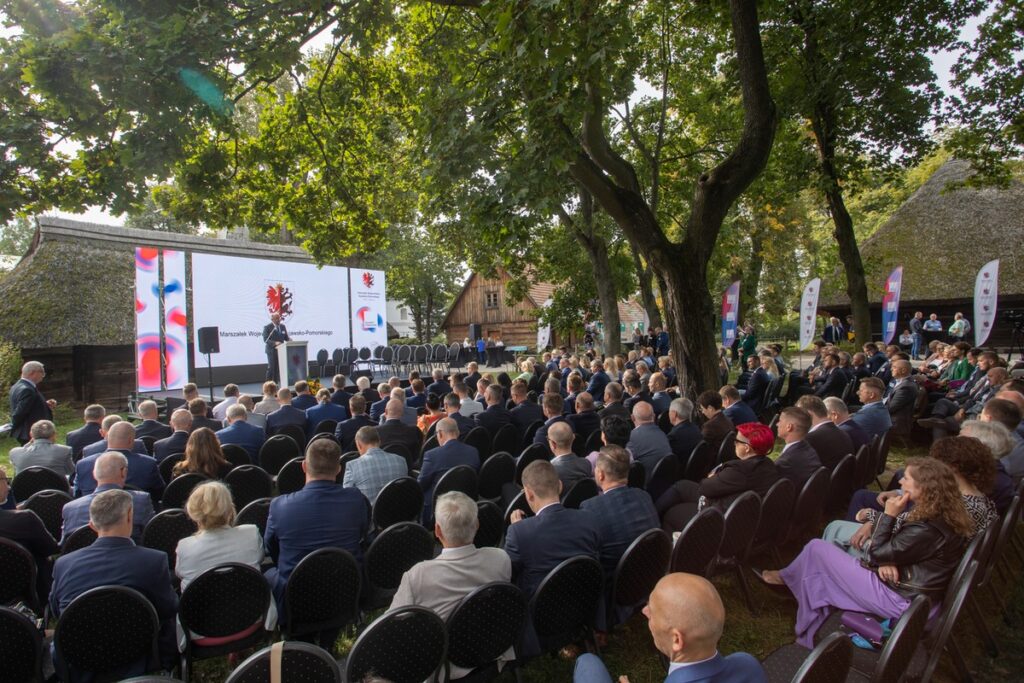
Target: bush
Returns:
[10, 371]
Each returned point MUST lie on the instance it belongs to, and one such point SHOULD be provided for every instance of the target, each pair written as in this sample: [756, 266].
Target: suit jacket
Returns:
[200, 421]
[241, 433]
[833, 384]
[858, 437]
[622, 514]
[585, 423]
[831, 444]
[735, 477]
[900, 404]
[470, 381]
[440, 388]
[52, 456]
[324, 411]
[28, 406]
[410, 416]
[756, 389]
[739, 667]
[396, 431]
[569, 404]
[876, 362]
[661, 402]
[525, 414]
[76, 513]
[416, 401]
[542, 434]
[373, 470]
[87, 434]
[571, 468]
[138, 446]
[631, 401]
[683, 438]
[25, 527]
[873, 418]
[716, 429]
[439, 460]
[341, 398]
[346, 431]
[598, 381]
[833, 334]
[648, 444]
[441, 583]
[175, 443]
[142, 474]
[798, 462]
[465, 424]
[271, 336]
[376, 410]
[536, 545]
[740, 413]
[493, 418]
[154, 428]
[616, 408]
[286, 415]
[304, 402]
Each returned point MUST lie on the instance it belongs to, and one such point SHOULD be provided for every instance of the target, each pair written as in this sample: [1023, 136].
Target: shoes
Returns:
[759, 573]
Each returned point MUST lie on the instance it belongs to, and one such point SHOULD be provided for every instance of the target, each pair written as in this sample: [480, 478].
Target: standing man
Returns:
[274, 333]
[916, 327]
[28, 405]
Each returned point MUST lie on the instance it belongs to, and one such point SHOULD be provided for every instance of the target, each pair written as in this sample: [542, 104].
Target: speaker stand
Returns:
[209, 377]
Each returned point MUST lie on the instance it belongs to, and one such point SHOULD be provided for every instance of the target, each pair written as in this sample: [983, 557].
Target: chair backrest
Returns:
[903, 641]
[277, 451]
[491, 528]
[882, 454]
[1005, 529]
[148, 441]
[48, 504]
[741, 520]
[506, 439]
[326, 427]
[828, 662]
[255, 513]
[248, 483]
[431, 442]
[664, 474]
[727, 450]
[423, 647]
[864, 470]
[224, 601]
[518, 503]
[532, 453]
[400, 449]
[297, 433]
[698, 544]
[322, 592]
[700, 461]
[17, 573]
[776, 509]
[773, 424]
[104, 629]
[395, 551]
[401, 500]
[480, 439]
[531, 431]
[164, 531]
[321, 357]
[178, 490]
[637, 475]
[485, 623]
[166, 466]
[810, 502]
[840, 483]
[497, 470]
[593, 442]
[462, 478]
[236, 455]
[944, 623]
[22, 647]
[640, 568]
[387, 354]
[82, 537]
[291, 478]
[582, 490]
[32, 480]
[364, 353]
[299, 661]
[319, 436]
[565, 605]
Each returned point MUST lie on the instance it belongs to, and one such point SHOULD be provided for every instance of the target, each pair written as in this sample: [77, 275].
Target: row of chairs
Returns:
[391, 360]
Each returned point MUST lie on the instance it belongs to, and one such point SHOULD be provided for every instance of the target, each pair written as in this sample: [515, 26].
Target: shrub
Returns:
[10, 371]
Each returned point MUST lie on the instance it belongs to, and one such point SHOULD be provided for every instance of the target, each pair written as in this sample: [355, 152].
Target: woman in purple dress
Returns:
[904, 560]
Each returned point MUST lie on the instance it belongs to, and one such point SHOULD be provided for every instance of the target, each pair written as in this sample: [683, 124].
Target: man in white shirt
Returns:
[220, 411]
[467, 406]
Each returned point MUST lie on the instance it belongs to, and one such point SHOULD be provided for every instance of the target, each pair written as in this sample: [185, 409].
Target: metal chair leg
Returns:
[983, 629]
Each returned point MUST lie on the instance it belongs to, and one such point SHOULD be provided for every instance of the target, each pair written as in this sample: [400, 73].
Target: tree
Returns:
[153, 217]
[16, 235]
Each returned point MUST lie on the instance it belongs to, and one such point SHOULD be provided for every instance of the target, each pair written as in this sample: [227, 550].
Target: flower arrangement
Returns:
[314, 385]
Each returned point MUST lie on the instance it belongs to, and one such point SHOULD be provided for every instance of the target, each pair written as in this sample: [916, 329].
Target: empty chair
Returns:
[423, 647]
[291, 478]
[480, 439]
[400, 500]
[827, 663]
[277, 451]
[17, 574]
[662, 476]
[297, 433]
[462, 478]
[177, 492]
[485, 624]
[741, 521]
[889, 665]
[637, 475]
[248, 483]
[532, 453]
[840, 485]
[580, 491]
[22, 647]
[864, 467]
[531, 431]
[809, 505]
[299, 662]
[32, 480]
[564, 608]
[638, 571]
[392, 553]
[164, 531]
[506, 439]
[48, 504]
[497, 470]
[699, 463]
[491, 528]
[322, 595]
[698, 543]
[773, 525]
[257, 512]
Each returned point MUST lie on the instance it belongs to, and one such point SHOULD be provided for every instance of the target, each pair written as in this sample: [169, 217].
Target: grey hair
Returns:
[683, 408]
[43, 429]
[836, 405]
[108, 465]
[456, 514]
[148, 408]
[30, 367]
[993, 434]
[94, 412]
[236, 411]
[109, 509]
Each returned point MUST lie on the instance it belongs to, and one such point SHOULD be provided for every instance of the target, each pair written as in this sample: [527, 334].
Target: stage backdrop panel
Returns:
[369, 308]
[147, 319]
[175, 320]
[237, 295]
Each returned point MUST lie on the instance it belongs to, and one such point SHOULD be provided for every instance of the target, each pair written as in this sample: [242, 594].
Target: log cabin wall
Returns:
[482, 301]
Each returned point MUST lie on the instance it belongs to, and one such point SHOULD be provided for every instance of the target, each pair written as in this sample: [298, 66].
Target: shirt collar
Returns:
[819, 425]
[28, 381]
[546, 507]
[457, 553]
[673, 666]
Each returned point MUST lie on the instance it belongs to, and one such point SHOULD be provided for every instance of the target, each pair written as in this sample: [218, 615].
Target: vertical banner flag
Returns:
[147, 319]
[809, 312]
[891, 304]
[369, 308]
[543, 332]
[986, 290]
[175, 320]
[730, 309]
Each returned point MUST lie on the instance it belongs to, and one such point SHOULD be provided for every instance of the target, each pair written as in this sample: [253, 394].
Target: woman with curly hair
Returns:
[203, 456]
[903, 561]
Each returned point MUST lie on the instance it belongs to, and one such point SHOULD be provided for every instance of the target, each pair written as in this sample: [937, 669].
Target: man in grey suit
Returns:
[441, 583]
[41, 451]
[873, 417]
[647, 442]
[571, 468]
[408, 413]
[798, 460]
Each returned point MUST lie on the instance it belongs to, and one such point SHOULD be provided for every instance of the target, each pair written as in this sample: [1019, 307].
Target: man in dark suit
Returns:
[439, 386]
[647, 443]
[834, 332]
[28, 404]
[684, 435]
[143, 473]
[274, 334]
[798, 459]
[323, 410]
[376, 409]
[613, 401]
[339, 395]
[418, 397]
[875, 357]
[453, 409]
[525, 412]
[571, 468]
[200, 415]
[346, 431]
[101, 445]
[873, 417]
[87, 434]
[598, 380]
[394, 431]
[585, 420]
[114, 560]
[110, 473]
[831, 443]
[552, 405]
[240, 433]
[150, 426]
[451, 453]
[716, 425]
[637, 392]
[757, 387]
[839, 414]
[303, 400]
[181, 423]
[734, 407]
[25, 527]
[575, 386]
[832, 380]
[901, 400]
[322, 514]
[472, 377]
[286, 414]
[495, 416]
[660, 398]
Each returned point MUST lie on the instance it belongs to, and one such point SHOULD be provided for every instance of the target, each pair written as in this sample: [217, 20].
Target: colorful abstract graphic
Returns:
[146, 259]
[891, 304]
[368, 320]
[148, 347]
[175, 320]
[279, 300]
[367, 279]
[147, 319]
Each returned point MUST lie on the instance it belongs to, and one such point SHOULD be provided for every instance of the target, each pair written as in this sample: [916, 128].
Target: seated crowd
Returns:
[614, 425]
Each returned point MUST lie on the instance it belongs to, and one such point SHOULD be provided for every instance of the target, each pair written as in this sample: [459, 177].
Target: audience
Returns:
[452, 410]
[101, 446]
[450, 453]
[203, 455]
[684, 435]
[41, 451]
[394, 431]
[142, 470]
[347, 429]
[495, 416]
[647, 443]
[374, 467]
[434, 412]
[240, 433]
[584, 419]
[553, 406]
[831, 443]
[613, 401]
[873, 417]
[734, 407]
[197, 407]
[615, 431]
[231, 393]
[269, 403]
[798, 459]
[571, 468]
[88, 433]
[110, 473]
[339, 395]
[285, 414]
[839, 414]
[181, 423]
[322, 411]
[25, 527]
[150, 425]
[304, 399]
[716, 425]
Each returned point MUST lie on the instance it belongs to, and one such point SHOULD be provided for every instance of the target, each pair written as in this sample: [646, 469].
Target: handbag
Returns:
[867, 627]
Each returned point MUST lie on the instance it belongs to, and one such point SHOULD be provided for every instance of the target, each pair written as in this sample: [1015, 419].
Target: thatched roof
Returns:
[941, 239]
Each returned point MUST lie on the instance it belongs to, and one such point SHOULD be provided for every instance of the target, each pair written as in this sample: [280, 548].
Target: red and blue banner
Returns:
[891, 304]
[175, 320]
[148, 363]
[730, 312]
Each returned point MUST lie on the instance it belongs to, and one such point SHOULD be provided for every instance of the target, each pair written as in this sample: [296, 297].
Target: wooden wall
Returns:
[515, 325]
[87, 374]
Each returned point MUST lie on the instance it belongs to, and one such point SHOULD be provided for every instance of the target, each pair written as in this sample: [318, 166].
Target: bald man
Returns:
[110, 472]
[142, 469]
[647, 442]
[451, 453]
[685, 616]
[571, 468]
[393, 431]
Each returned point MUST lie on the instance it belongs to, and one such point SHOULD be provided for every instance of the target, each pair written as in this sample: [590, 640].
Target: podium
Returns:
[291, 363]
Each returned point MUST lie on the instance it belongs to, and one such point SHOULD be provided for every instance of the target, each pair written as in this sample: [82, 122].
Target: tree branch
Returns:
[597, 146]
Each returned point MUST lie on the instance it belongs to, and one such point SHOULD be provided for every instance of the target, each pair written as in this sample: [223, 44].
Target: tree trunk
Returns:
[645, 278]
[750, 279]
[608, 298]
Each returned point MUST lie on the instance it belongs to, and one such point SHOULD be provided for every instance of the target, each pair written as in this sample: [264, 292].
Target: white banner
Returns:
[986, 293]
[543, 332]
[175, 320]
[238, 294]
[809, 312]
[369, 308]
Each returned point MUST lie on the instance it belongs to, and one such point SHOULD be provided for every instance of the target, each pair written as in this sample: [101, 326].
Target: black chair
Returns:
[405, 645]
[402, 450]
[32, 480]
[236, 455]
[82, 537]
[401, 500]
[727, 451]
[531, 431]
[179, 489]
[928, 654]
[828, 662]
[497, 470]
[491, 526]
[326, 427]
[22, 647]
[741, 522]
[506, 439]
[582, 490]
[166, 466]
[882, 455]
[17, 574]
[638, 571]
[164, 531]
[392, 553]
[840, 485]
[148, 442]
[104, 630]
[299, 662]
[227, 606]
[699, 463]
[809, 505]
[776, 510]
[291, 478]
[698, 544]
[480, 439]
[485, 624]
[564, 607]
[322, 595]
[637, 475]
[48, 504]
[664, 474]
[533, 452]
[888, 665]
[345, 459]
[518, 503]
[297, 433]
[248, 483]
[664, 423]
[255, 513]
[319, 436]
[430, 444]
[462, 478]
[593, 442]
[277, 451]
[864, 469]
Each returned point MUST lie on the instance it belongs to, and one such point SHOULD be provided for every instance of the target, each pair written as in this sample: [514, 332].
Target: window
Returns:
[491, 299]
[404, 312]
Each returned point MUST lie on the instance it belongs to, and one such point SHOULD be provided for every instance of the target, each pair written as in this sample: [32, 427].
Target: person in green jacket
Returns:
[748, 344]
